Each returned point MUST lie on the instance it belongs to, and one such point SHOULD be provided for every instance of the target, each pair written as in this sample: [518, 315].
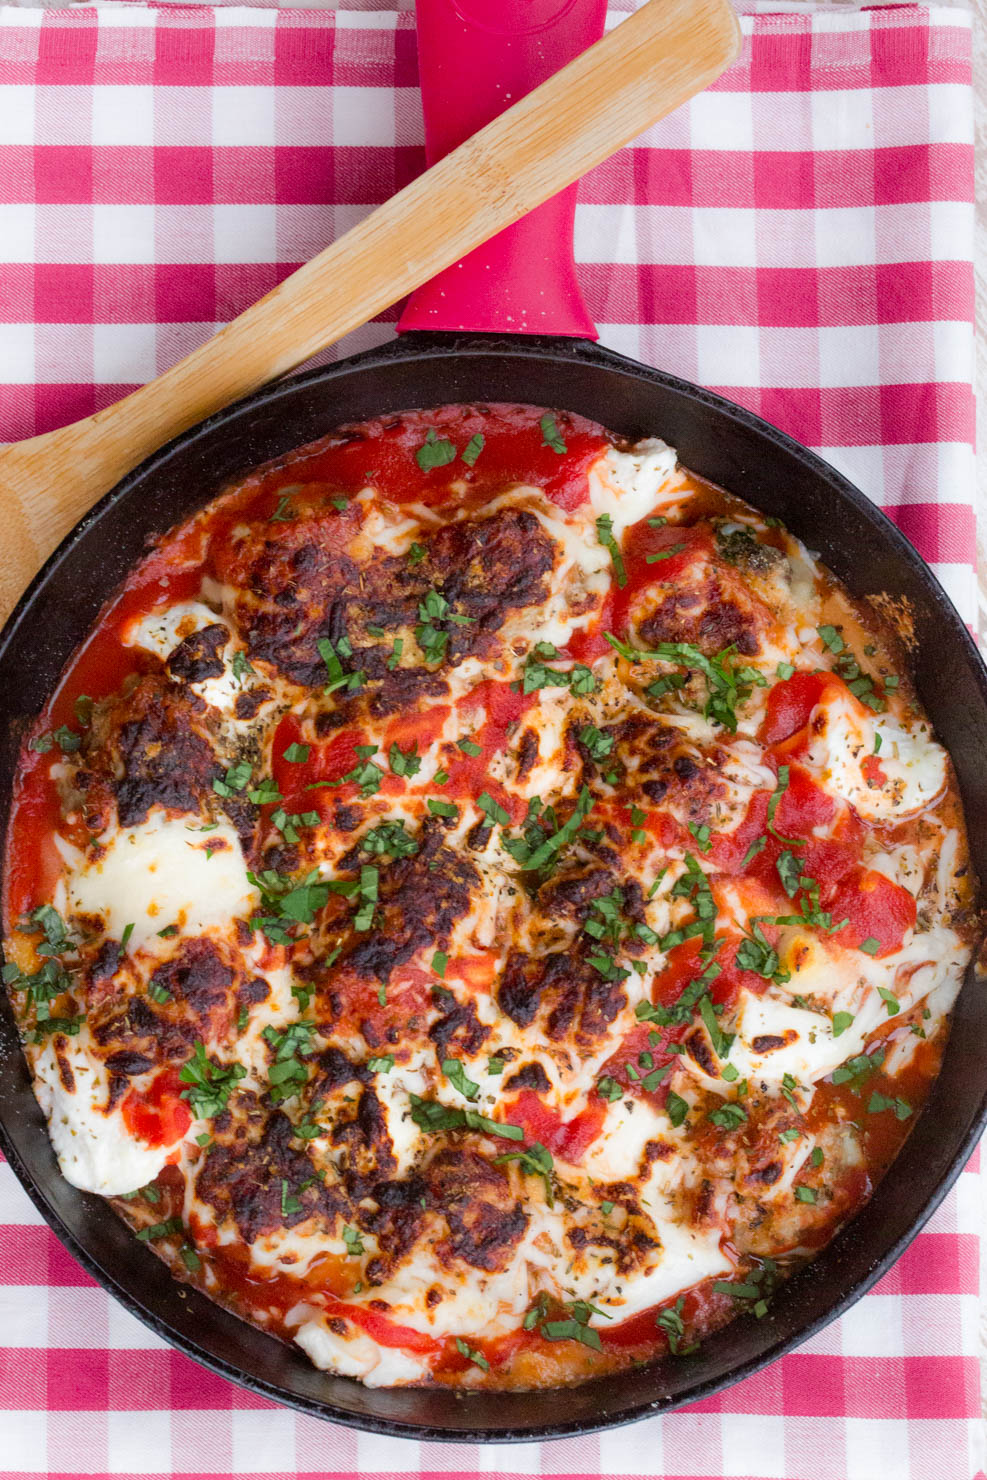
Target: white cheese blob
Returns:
[687, 1257]
[357, 1355]
[160, 632]
[929, 966]
[628, 485]
[163, 872]
[95, 1149]
[844, 737]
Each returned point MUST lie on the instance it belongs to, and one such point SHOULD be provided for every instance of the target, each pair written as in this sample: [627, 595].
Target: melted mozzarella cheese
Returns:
[844, 735]
[160, 632]
[394, 1090]
[929, 965]
[807, 1051]
[628, 485]
[389, 528]
[96, 1151]
[357, 1355]
[687, 1256]
[618, 1151]
[160, 873]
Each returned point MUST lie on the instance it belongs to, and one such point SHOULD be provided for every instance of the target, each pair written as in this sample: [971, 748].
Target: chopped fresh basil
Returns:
[209, 1084]
[161, 1230]
[404, 762]
[728, 1116]
[879, 1103]
[435, 452]
[537, 1162]
[287, 1074]
[752, 852]
[267, 792]
[670, 1321]
[832, 639]
[336, 676]
[597, 742]
[551, 436]
[606, 537]
[429, 1115]
[701, 832]
[389, 838]
[236, 779]
[789, 872]
[889, 999]
[727, 686]
[456, 1074]
[289, 1203]
[470, 1352]
[857, 1070]
[353, 1241]
[492, 809]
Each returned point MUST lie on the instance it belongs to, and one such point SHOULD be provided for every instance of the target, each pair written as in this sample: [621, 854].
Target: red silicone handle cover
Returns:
[476, 58]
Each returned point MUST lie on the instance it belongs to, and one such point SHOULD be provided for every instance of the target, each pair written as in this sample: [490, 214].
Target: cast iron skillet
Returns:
[723, 443]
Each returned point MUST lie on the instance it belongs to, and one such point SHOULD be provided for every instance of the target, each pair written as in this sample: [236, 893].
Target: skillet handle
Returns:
[476, 57]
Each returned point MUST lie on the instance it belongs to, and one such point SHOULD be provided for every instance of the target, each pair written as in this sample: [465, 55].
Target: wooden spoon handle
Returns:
[656, 59]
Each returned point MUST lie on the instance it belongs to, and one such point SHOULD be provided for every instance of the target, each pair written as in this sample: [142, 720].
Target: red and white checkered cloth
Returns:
[800, 237]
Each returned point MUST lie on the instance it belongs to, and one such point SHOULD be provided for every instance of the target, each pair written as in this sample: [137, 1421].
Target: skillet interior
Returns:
[724, 444]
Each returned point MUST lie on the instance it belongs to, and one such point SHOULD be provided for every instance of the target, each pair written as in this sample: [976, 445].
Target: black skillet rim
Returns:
[425, 346]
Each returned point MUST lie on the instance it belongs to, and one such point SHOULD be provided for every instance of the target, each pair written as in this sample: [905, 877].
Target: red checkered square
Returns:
[186, 292]
[185, 176]
[63, 173]
[77, 1384]
[63, 293]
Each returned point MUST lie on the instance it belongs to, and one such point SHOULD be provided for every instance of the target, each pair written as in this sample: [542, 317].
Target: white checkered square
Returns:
[139, 1443]
[123, 113]
[243, 116]
[363, 115]
[123, 233]
[17, 121]
[17, 354]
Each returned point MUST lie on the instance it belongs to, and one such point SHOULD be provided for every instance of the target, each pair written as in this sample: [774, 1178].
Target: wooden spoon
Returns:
[647, 66]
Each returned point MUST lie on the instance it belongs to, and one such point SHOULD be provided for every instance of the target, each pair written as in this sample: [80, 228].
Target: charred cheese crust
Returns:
[455, 992]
